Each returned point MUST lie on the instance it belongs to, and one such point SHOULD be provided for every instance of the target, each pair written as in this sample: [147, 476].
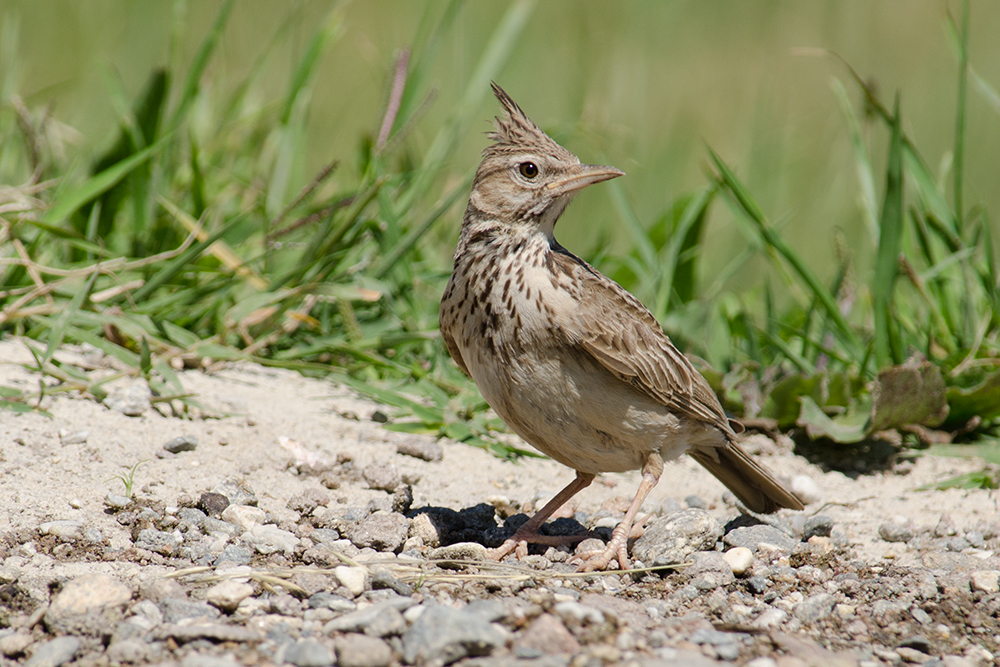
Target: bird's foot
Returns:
[518, 544]
[617, 549]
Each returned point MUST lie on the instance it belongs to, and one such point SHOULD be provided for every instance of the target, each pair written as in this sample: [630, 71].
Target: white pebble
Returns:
[244, 516]
[806, 489]
[987, 581]
[351, 578]
[227, 595]
[740, 559]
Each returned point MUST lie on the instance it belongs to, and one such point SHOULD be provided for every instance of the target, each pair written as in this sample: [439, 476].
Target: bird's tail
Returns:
[746, 478]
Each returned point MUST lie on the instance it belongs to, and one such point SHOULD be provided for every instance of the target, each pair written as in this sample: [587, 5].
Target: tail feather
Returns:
[746, 478]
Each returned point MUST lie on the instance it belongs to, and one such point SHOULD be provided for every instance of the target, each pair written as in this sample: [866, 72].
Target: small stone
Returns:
[461, 551]
[987, 581]
[368, 619]
[770, 618]
[131, 401]
[217, 632]
[73, 437]
[384, 477]
[709, 570]
[577, 613]
[352, 578]
[382, 531]
[227, 595]
[244, 516]
[157, 589]
[546, 635]
[54, 652]
[159, 541]
[912, 655]
[117, 502]
[324, 600]
[237, 491]
[443, 635]
[268, 539]
[382, 579]
[129, 651]
[285, 604]
[428, 450]
[354, 650]
[806, 489]
[308, 500]
[182, 443]
[757, 584]
[815, 607]
[184, 611]
[752, 537]
[88, 605]
[66, 531]
[817, 526]
[308, 653]
[234, 554]
[672, 539]
[740, 559]
[695, 502]
[15, 644]
[212, 504]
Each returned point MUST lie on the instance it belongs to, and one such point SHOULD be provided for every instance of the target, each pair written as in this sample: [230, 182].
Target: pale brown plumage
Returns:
[572, 362]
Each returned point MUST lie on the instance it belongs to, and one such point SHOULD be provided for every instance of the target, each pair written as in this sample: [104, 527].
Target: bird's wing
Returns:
[624, 337]
[453, 350]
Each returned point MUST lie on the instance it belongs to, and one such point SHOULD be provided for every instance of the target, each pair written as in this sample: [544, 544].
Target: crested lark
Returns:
[573, 363]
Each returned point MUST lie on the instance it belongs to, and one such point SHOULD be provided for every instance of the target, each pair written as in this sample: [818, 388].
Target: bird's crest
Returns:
[516, 131]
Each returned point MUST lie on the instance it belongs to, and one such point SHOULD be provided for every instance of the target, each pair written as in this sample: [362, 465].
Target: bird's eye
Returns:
[528, 169]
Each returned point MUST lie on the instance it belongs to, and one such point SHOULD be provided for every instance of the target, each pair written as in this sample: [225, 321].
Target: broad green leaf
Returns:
[818, 425]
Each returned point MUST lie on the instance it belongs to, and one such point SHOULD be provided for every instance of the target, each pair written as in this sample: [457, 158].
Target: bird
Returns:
[570, 360]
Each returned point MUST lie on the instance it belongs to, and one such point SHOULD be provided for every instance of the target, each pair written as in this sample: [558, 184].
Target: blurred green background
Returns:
[640, 85]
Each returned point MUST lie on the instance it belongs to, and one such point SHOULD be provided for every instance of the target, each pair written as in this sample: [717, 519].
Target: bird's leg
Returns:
[518, 542]
[618, 546]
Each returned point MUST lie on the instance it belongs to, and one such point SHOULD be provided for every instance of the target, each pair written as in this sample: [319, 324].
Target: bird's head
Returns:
[526, 177]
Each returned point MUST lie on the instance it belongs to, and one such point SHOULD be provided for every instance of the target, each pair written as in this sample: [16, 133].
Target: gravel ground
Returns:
[284, 525]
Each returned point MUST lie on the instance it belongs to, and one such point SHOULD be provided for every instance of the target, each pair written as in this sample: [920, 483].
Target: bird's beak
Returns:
[586, 174]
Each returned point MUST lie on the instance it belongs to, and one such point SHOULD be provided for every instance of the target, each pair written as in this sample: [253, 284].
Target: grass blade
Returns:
[727, 179]
[888, 348]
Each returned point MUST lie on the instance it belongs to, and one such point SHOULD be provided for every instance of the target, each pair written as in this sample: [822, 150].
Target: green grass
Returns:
[186, 244]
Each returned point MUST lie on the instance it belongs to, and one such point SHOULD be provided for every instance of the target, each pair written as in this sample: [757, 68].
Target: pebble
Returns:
[54, 652]
[128, 651]
[752, 537]
[815, 607]
[709, 570]
[363, 619]
[132, 400]
[756, 584]
[672, 539]
[354, 650]
[912, 655]
[425, 449]
[895, 532]
[770, 618]
[806, 488]
[234, 554]
[987, 581]
[308, 653]
[15, 644]
[117, 502]
[382, 477]
[87, 605]
[819, 525]
[269, 539]
[580, 614]
[382, 531]
[182, 443]
[67, 531]
[740, 560]
[353, 578]
[324, 600]
[460, 551]
[545, 635]
[159, 541]
[308, 500]
[182, 610]
[73, 437]
[237, 491]
[443, 635]
[227, 595]
[212, 504]
[244, 516]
